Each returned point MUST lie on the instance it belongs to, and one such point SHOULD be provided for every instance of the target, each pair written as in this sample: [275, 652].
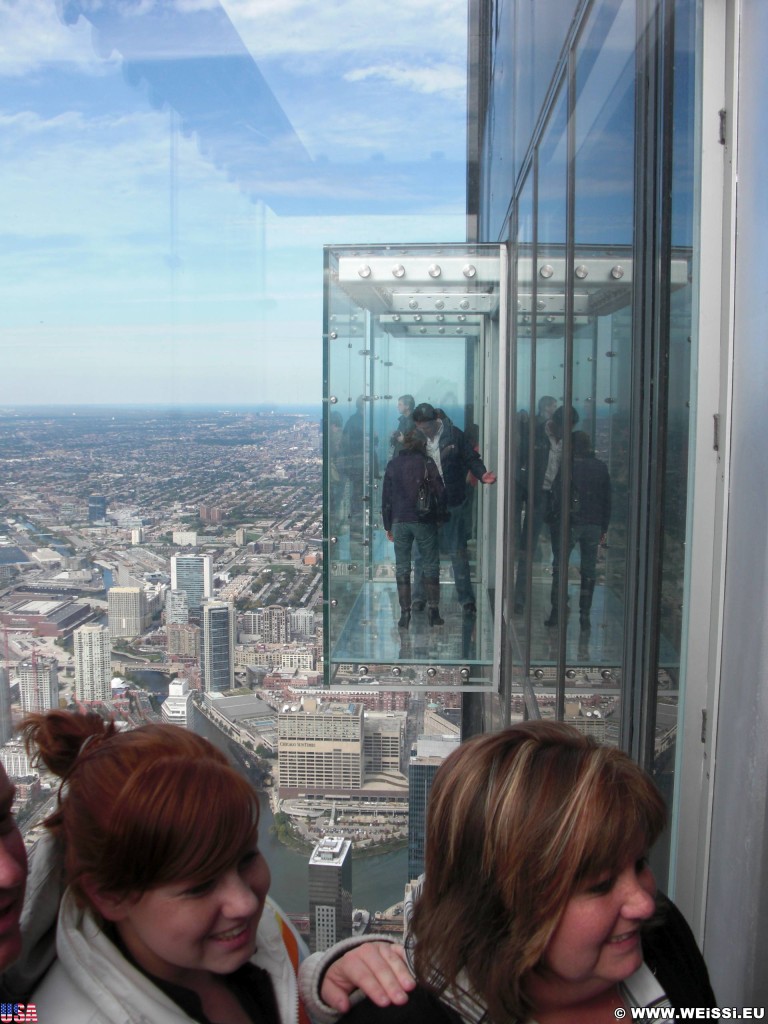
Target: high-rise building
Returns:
[274, 628]
[218, 645]
[175, 707]
[38, 684]
[176, 607]
[330, 892]
[6, 721]
[430, 753]
[126, 611]
[194, 575]
[15, 759]
[97, 508]
[183, 641]
[301, 624]
[93, 669]
[320, 748]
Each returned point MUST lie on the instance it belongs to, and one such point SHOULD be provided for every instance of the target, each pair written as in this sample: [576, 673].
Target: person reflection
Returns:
[405, 406]
[532, 475]
[590, 517]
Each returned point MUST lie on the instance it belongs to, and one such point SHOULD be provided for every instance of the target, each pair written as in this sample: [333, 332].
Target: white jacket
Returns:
[91, 982]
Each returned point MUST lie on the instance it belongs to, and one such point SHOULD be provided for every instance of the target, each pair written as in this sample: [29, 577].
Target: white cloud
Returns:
[443, 78]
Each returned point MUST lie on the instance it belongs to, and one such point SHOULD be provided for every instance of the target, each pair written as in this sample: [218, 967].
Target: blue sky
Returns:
[170, 172]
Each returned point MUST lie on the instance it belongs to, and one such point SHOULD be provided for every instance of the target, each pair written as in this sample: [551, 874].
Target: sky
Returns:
[170, 171]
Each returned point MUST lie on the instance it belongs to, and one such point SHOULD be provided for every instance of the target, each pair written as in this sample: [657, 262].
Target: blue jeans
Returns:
[424, 535]
[453, 543]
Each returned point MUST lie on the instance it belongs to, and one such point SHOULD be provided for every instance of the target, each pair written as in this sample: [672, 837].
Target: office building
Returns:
[175, 707]
[429, 754]
[320, 748]
[218, 646]
[330, 893]
[97, 508]
[383, 739]
[126, 611]
[93, 669]
[183, 641]
[38, 684]
[301, 624]
[194, 575]
[6, 719]
[15, 759]
[176, 607]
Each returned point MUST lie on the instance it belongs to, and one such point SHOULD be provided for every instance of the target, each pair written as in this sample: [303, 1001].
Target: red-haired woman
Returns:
[166, 917]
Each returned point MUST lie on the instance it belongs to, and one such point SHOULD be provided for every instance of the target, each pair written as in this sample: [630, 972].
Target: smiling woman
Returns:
[166, 917]
[537, 902]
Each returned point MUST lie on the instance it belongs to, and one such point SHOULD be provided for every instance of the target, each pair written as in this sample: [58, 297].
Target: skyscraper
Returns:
[93, 670]
[97, 508]
[320, 748]
[6, 721]
[431, 751]
[330, 892]
[176, 607]
[194, 575]
[218, 653]
[39, 684]
[126, 611]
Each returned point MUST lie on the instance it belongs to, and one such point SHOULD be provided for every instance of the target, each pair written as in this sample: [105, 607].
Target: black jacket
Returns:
[457, 458]
[402, 478]
[669, 950]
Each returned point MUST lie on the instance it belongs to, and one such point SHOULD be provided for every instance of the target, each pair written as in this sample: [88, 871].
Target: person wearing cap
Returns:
[454, 456]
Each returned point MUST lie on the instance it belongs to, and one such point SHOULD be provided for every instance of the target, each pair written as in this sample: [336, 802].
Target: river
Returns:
[377, 881]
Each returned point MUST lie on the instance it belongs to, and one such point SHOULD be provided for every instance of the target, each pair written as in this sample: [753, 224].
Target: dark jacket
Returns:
[669, 950]
[592, 491]
[590, 495]
[402, 478]
[457, 458]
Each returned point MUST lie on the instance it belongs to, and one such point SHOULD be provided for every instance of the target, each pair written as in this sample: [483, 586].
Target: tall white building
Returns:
[194, 575]
[176, 607]
[126, 611]
[218, 645]
[93, 671]
[38, 684]
[301, 623]
[175, 707]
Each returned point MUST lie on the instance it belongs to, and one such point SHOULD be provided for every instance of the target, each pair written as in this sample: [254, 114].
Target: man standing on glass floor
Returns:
[454, 456]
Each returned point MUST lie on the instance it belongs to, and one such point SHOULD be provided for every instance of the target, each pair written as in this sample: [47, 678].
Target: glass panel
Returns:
[536, 582]
[407, 327]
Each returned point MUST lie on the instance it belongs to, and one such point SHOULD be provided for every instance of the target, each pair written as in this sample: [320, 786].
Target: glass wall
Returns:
[599, 228]
[171, 172]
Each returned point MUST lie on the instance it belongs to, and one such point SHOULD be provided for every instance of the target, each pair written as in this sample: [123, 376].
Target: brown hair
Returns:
[517, 821]
[143, 807]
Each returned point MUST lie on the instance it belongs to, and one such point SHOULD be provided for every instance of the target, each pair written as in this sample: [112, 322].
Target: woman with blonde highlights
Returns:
[166, 918]
[538, 904]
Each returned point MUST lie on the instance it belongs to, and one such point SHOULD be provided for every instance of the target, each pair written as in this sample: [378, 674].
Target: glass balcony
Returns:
[421, 322]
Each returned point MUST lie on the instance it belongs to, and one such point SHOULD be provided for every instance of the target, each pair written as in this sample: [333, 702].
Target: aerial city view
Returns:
[165, 565]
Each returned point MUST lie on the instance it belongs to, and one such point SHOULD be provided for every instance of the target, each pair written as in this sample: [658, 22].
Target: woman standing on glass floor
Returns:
[408, 472]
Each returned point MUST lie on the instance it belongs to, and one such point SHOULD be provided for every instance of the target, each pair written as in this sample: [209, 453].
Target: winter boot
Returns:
[433, 599]
[404, 597]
